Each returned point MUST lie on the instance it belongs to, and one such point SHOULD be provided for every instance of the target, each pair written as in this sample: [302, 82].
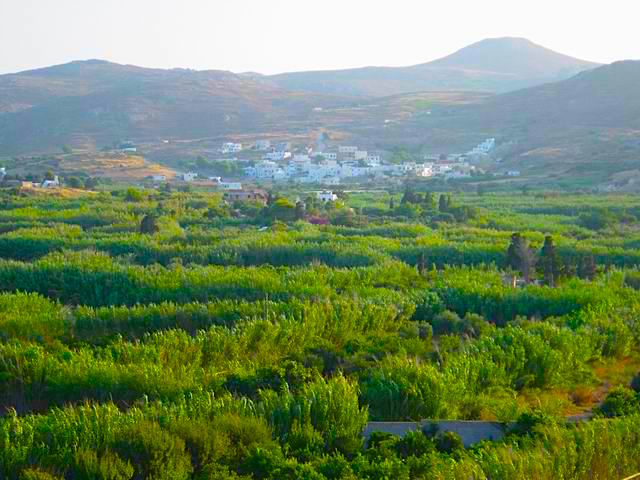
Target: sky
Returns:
[272, 36]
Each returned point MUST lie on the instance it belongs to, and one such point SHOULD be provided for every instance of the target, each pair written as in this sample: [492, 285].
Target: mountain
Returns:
[587, 126]
[494, 65]
[94, 103]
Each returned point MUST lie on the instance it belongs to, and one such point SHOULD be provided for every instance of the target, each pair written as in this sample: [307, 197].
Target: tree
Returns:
[49, 175]
[520, 256]
[392, 204]
[300, 208]
[74, 182]
[91, 183]
[149, 226]
[409, 195]
[133, 195]
[66, 149]
[422, 264]
[442, 203]
[429, 202]
[282, 209]
[549, 261]
[587, 268]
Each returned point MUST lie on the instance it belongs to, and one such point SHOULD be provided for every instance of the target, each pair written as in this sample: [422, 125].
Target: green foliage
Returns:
[620, 401]
[218, 348]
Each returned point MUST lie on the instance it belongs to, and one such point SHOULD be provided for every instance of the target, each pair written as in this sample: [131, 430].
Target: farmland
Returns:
[165, 334]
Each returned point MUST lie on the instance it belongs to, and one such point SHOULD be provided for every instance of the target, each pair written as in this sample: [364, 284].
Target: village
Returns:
[344, 164]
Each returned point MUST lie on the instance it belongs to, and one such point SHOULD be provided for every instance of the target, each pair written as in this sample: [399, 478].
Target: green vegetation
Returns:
[159, 334]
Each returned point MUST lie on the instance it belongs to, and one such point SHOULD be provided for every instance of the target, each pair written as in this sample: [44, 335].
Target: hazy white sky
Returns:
[270, 36]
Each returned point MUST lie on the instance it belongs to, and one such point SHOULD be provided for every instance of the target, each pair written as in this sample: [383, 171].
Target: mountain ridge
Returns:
[487, 65]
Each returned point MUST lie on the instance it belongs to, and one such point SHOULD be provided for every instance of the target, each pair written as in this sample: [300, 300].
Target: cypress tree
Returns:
[549, 261]
[442, 203]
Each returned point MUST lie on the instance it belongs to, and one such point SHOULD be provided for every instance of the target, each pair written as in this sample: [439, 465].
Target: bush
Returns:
[154, 452]
[529, 422]
[620, 401]
[449, 442]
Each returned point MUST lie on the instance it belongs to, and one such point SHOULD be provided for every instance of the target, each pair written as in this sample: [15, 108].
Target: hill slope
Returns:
[94, 103]
[586, 126]
[495, 65]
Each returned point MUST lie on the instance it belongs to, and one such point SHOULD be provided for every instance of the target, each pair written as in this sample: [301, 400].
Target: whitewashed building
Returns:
[51, 183]
[326, 196]
[189, 177]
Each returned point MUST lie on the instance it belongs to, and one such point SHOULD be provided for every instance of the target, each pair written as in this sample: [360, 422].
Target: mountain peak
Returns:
[513, 56]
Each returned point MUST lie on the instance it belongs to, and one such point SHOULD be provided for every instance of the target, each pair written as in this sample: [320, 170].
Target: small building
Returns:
[360, 155]
[333, 156]
[513, 173]
[348, 152]
[159, 178]
[425, 170]
[277, 156]
[51, 183]
[326, 196]
[259, 196]
[189, 177]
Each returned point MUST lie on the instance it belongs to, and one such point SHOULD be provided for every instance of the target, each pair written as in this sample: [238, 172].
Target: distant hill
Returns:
[493, 65]
[93, 103]
[585, 126]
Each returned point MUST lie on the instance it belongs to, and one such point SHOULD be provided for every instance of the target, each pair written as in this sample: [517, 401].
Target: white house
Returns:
[425, 170]
[373, 159]
[51, 183]
[360, 155]
[513, 173]
[348, 152]
[441, 168]
[328, 155]
[189, 177]
[277, 156]
[326, 196]
[267, 170]
[484, 148]
[159, 178]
